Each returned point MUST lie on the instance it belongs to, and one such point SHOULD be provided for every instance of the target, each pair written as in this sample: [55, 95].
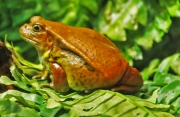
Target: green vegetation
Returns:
[147, 32]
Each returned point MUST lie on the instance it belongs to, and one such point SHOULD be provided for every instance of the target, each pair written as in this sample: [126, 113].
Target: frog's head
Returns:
[36, 34]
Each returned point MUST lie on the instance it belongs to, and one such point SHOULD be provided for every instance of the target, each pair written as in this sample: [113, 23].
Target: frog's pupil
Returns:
[37, 28]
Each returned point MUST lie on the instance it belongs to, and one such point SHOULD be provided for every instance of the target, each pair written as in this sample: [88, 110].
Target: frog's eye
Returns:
[37, 28]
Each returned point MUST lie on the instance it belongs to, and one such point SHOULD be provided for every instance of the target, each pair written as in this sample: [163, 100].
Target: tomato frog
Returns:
[80, 58]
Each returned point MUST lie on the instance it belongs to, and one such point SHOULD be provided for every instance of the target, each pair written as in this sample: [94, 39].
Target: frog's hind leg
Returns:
[59, 78]
[130, 82]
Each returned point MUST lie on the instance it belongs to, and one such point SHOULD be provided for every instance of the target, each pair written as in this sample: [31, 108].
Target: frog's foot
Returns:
[130, 82]
[44, 75]
[125, 89]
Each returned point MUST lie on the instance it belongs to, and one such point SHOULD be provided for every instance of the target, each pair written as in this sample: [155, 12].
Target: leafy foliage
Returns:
[146, 31]
[46, 102]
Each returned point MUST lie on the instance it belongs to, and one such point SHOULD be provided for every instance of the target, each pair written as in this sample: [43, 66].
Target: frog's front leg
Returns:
[59, 79]
[45, 63]
[130, 82]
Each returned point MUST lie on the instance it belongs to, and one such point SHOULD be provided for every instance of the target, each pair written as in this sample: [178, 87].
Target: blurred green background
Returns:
[144, 30]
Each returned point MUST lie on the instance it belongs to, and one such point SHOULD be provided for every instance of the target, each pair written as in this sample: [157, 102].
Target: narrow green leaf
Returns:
[52, 94]
[19, 60]
[23, 97]
[153, 96]
[51, 103]
[175, 104]
[152, 67]
[163, 114]
[7, 81]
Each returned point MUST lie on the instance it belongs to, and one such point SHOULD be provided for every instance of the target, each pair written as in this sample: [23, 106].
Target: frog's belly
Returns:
[80, 75]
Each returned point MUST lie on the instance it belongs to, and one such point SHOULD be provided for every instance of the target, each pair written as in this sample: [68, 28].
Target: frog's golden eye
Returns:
[37, 28]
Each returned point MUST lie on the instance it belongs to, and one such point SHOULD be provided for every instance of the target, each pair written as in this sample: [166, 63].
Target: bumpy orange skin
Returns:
[87, 59]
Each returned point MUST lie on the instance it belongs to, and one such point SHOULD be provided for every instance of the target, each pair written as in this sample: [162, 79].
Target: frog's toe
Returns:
[49, 85]
[44, 75]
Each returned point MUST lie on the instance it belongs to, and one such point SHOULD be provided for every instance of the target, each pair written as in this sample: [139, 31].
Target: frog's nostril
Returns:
[25, 25]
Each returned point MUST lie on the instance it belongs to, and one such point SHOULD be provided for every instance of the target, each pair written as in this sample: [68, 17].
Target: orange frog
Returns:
[79, 58]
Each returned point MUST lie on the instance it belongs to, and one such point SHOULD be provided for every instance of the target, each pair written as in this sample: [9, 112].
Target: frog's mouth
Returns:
[30, 40]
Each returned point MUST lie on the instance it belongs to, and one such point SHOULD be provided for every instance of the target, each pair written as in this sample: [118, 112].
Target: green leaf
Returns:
[9, 108]
[91, 5]
[7, 81]
[148, 71]
[22, 81]
[163, 21]
[173, 7]
[163, 114]
[176, 64]
[142, 13]
[145, 41]
[175, 104]
[51, 103]
[135, 52]
[48, 112]
[166, 63]
[30, 100]
[153, 107]
[51, 94]
[161, 78]
[169, 94]
[153, 96]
